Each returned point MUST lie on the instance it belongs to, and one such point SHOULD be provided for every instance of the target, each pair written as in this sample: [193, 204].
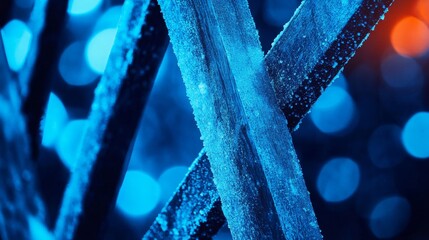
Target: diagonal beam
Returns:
[119, 101]
[245, 134]
[194, 210]
[20, 204]
[315, 46]
[39, 67]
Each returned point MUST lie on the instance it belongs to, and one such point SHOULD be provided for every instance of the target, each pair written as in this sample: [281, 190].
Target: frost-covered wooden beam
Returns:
[330, 32]
[20, 205]
[195, 209]
[41, 63]
[120, 97]
[244, 132]
[194, 212]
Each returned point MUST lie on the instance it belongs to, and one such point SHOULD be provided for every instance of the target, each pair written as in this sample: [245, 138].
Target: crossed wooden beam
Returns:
[304, 59]
[253, 161]
[312, 49]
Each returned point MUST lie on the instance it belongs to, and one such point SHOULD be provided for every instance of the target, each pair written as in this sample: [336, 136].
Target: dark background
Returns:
[375, 187]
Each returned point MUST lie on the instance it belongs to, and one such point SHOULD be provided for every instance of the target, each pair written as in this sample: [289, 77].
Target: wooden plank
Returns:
[244, 132]
[183, 217]
[119, 101]
[315, 46]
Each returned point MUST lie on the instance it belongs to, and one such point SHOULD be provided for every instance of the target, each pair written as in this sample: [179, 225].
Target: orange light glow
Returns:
[423, 10]
[410, 37]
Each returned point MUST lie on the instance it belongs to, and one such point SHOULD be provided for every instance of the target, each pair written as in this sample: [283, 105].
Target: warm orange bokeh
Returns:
[423, 9]
[410, 37]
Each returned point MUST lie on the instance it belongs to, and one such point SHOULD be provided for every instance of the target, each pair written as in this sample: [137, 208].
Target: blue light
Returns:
[38, 230]
[98, 49]
[54, 121]
[69, 142]
[78, 7]
[338, 179]
[401, 72]
[24, 3]
[72, 66]
[170, 179]
[340, 81]
[389, 217]
[334, 110]
[109, 19]
[17, 39]
[166, 69]
[139, 194]
[222, 235]
[415, 135]
[385, 147]
[278, 12]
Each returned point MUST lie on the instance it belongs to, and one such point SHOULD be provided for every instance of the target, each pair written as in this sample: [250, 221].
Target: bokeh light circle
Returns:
[24, 3]
[415, 135]
[54, 121]
[109, 19]
[423, 10]
[73, 67]
[340, 81]
[385, 146]
[139, 194]
[170, 179]
[38, 229]
[410, 37]
[79, 7]
[17, 40]
[401, 72]
[278, 12]
[98, 49]
[338, 179]
[389, 217]
[334, 110]
[69, 142]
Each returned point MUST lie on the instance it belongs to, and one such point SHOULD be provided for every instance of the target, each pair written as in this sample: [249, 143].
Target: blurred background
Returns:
[364, 148]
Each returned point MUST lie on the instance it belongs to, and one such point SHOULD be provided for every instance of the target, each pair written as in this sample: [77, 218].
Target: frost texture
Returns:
[252, 158]
[119, 100]
[348, 31]
[330, 33]
[173, 221]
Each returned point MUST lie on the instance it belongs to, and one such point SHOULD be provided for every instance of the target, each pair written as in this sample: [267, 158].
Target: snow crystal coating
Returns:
[349, 30]
[235, 112]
